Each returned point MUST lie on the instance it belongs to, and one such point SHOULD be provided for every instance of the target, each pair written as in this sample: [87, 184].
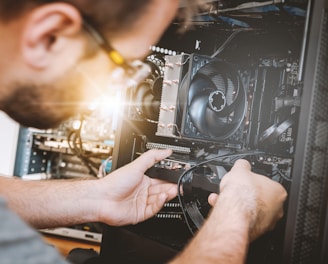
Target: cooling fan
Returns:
[214, 101]
[147, 95]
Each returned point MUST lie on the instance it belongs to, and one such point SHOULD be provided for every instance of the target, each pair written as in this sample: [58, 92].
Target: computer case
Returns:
[307, 222]
[271, 58]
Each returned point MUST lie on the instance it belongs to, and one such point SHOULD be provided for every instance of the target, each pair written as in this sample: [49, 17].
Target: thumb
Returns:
[149, 158]
[212, 198]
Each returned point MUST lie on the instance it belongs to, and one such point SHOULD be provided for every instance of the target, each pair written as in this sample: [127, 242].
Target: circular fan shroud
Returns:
[216, 100]
[147, 94]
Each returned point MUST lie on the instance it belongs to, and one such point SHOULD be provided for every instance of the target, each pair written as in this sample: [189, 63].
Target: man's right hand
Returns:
[262, 197]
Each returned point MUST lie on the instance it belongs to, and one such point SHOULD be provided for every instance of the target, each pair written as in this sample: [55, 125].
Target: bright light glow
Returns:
[108, 106]
[76, 124]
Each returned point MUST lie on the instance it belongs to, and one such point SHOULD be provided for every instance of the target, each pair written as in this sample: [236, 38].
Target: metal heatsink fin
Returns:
[167, 125]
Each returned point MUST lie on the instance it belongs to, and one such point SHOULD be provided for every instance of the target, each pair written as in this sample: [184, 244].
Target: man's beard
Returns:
[42, 106]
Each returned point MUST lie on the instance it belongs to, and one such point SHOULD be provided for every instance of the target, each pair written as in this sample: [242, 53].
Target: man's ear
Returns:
[46, 31]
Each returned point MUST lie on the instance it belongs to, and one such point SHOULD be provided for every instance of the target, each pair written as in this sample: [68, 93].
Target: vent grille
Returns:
[314, 178]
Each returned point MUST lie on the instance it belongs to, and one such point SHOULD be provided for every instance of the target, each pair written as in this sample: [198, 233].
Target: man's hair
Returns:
[109, 15]
[106, 15]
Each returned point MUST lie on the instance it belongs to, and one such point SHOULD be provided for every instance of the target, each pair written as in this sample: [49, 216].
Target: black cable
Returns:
[188, 172]
[75, 143]
[182, 203]
[283, 176]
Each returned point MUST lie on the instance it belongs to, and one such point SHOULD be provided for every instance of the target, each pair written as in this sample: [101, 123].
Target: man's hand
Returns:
[248, 205]
[128, 196]
[261, 197]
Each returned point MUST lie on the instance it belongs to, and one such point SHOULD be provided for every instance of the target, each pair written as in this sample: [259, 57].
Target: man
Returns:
[50, 63]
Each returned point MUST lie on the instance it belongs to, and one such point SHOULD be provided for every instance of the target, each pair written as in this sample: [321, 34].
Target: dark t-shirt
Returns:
[20, 244]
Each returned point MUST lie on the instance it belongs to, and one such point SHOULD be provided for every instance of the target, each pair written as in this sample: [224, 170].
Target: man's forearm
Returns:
[223, 238]
[48, 203]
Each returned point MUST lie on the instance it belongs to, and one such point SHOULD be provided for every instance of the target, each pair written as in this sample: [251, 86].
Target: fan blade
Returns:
[217, 73]
[211, 70]
[146, 102]
[220, 82]
[199, 84]
[229, 108]
[219, 127]
[157, 88]
[197, 111]
[140, 92]
[150, 107]
[231, 89]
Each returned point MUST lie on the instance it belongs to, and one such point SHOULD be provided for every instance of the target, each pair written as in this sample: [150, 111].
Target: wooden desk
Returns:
[65, 245]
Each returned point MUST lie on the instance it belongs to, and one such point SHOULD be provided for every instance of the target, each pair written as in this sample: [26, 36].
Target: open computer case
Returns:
[247, 80]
